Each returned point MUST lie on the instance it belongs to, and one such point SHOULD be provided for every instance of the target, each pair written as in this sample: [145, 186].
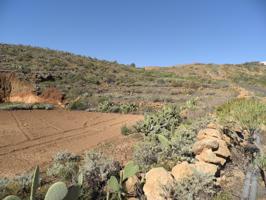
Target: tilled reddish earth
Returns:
[30, 138]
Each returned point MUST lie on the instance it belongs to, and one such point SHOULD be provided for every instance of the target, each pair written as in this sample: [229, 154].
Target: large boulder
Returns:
[207, 155]
[212, 125]
[182, 170]
[209, 133]
[206, 168]
[226, 139]
[156, 178]
[206, 143]
[223, 150]
[130, 184]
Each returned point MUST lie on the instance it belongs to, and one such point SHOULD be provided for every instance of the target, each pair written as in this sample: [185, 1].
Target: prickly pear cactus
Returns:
[58, 191]
[80, 179]
[12, 197]
[163, 140]
[130, 170]
[113, 184]
[35, 183]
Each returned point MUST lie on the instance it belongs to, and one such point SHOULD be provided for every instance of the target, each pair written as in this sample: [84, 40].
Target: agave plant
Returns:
[57, 191]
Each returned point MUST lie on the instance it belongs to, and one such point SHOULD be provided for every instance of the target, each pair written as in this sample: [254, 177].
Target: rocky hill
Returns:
[86, 82]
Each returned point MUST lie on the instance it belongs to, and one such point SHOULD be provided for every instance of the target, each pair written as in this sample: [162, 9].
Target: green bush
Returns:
[126, 130]
[223, 196]
[128, 108]
[97, 169]
[248, 113]
[19, 185]
[80, 104]
[65, 166]
[166, 150]
[162, 122]
[107, 106]
[26, 106]
[146, 154]
[57, 191]
[197, 187]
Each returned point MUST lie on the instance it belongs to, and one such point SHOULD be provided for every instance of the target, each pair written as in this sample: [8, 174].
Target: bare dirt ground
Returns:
[30, 138]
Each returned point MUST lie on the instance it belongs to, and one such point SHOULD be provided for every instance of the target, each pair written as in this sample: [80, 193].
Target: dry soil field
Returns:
[28, 138]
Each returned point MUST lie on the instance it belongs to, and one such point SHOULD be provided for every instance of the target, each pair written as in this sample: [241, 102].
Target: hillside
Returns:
[87, 82]
[200, 130]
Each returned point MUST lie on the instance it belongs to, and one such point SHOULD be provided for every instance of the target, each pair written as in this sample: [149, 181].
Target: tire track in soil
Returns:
[61, 133]
[93, 129]
[19, 125]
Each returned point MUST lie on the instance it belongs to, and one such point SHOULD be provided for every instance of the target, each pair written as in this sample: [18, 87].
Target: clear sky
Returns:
[146, 32]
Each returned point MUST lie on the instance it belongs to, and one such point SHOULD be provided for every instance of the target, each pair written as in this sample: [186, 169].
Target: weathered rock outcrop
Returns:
[130, 184]
[182, 170]
[212, 146]
[207, 155]
[211, 152]
[156, 178]
[205, 143]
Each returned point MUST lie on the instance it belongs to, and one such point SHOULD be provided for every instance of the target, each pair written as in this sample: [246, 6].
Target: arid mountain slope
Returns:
[88, 81]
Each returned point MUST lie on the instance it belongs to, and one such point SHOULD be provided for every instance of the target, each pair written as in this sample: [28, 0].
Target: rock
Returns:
[206, 168]
[207, 155]
[237, 128]
[209, 132]
[182, 170]
[130, 184]
[213, 126]
[246, 134]
[226, 139]
[155, 179]
[223, 149]
[209, 143]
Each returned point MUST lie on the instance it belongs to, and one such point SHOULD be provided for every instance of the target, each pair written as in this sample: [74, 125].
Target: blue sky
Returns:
[146, 32]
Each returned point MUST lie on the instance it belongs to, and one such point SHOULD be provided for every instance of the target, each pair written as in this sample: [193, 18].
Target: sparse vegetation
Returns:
[167, 132]
[223, 196]
[248, 113]
[57, 191]
[97, 170]
[162, 122]
[196, 187]
[75, 76]
[167, 141]
[65, 165]
[108, 106]
[25, 106]
[125, 130]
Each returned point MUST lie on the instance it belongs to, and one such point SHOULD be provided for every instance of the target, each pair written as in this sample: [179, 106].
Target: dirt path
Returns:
[28, 138]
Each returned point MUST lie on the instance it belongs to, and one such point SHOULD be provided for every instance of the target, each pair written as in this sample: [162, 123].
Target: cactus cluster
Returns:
[108, 106]
[57, 191]
[168, 147]
[163, 122]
